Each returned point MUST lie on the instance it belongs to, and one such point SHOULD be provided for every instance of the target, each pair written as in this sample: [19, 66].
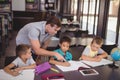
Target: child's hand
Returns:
[18, 69]
[15, 73]
[98, 59]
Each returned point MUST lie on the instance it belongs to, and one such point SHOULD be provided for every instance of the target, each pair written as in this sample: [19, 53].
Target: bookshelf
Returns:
[5, 5]
[32, 5]
[40, 5]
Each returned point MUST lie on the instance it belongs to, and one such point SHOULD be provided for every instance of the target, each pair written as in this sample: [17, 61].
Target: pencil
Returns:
[55, 70]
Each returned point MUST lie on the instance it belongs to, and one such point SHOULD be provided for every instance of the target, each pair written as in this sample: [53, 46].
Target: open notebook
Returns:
[95, 64]
[74, 65]
[23, 75]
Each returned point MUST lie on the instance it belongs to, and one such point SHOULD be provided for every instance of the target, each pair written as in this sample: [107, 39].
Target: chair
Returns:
[9, 59]
[76, 51]
[108, 48]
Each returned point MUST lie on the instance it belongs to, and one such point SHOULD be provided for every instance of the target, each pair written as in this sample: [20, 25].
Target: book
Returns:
[95, 64]
[53, 76]
[87, 72]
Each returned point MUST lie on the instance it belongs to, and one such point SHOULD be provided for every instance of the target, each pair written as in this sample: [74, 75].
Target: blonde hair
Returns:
[98, 40]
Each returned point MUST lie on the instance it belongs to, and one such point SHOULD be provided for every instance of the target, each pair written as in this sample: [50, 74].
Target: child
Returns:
[23, 61]
[64, 47]
[91, 52]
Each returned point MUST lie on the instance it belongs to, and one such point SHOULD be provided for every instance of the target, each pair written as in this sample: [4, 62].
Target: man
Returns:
[38, 34]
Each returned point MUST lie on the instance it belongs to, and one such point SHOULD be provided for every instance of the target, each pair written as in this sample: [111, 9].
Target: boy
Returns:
[91, 51]
[23, 61]
[63, 50]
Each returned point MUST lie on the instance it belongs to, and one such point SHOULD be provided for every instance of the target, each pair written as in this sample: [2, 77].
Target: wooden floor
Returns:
[10, 50]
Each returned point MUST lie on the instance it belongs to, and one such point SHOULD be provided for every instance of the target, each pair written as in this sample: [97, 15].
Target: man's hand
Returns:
[59, 57]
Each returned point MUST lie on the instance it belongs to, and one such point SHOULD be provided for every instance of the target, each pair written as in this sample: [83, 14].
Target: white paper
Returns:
[94, 64]
[25, 75]
[74, 65]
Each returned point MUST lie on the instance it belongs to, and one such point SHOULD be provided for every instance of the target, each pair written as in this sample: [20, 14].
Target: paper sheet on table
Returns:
[95, 64]
[25, 75]
[74, 65]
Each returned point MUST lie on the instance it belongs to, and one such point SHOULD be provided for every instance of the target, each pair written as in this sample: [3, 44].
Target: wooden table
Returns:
[105, 73]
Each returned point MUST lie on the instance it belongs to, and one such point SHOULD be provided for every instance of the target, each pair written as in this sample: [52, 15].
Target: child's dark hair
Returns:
[65, 39]
[22, 49]
[98, 40]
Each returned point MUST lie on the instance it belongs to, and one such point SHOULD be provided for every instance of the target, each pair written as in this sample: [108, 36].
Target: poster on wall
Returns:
[18, 5]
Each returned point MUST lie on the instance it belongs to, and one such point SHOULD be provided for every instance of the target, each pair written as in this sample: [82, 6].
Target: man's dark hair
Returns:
[53, 20]
[65, 39]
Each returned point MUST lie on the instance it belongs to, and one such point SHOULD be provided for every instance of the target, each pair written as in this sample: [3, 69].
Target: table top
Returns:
[105, 73]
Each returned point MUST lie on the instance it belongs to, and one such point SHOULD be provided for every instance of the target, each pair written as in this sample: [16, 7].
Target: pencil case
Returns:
[53, 76]
[42, 67]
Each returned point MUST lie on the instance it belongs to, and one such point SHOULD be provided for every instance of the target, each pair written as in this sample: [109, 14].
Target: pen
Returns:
[20, 72]
[55, 70]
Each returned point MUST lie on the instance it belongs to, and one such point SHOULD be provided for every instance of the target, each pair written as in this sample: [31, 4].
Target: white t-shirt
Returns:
[19, 63]
[88, 52]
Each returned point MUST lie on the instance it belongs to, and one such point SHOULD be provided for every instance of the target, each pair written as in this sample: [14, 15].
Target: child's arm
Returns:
[11, 71]
[103, 55]
[52, 61]
[32, 66]
[88, 58]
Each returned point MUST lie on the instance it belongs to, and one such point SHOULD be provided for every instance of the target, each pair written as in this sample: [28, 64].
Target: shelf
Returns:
[31, 7]
[5, 7]
[5, 2]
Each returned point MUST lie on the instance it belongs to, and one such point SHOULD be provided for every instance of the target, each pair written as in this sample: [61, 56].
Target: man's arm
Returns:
[46, 43]
[40, 51]
[55, 62]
